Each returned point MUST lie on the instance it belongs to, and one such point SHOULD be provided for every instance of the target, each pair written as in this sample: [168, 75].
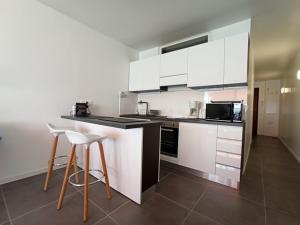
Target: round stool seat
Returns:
[79, 138]
[56, 131]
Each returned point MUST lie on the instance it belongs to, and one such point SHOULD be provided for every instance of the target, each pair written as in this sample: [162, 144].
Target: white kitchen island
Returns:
[131, 150]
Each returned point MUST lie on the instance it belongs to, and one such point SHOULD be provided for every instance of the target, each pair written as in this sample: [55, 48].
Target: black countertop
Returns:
[185, 120]
[118, 122]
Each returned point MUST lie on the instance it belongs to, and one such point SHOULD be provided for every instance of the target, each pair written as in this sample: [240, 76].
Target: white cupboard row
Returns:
[213, 149]
[217, 63]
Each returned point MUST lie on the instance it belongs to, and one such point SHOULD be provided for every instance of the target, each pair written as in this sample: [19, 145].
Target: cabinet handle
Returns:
[169, 130]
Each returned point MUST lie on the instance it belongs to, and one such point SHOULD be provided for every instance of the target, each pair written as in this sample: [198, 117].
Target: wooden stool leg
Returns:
[51, 163]
[102, 157]
[65, 182]
[86, 185]
[75, 168]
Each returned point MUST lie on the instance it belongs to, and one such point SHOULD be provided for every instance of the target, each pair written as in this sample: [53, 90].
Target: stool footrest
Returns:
[61, 157]
[90, 183]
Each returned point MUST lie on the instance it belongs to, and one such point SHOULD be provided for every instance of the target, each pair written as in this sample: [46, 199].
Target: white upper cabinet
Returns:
[206, 64]
[144, 74]
[236, 59]
[197, 146]
[173, 63]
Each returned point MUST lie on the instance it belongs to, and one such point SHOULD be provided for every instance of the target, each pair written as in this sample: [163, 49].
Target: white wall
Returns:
[47, 62]
[249, 109]
[289, 122]
[176, 103]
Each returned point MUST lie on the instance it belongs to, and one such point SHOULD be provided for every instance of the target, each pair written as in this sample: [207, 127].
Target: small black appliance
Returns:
[82, 109]
[225, 111]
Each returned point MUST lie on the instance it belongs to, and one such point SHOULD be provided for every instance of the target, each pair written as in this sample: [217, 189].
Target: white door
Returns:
[173, 63]
[197, 146]
[236, 59]
[272, 100]
[206, 64]
[144, 74]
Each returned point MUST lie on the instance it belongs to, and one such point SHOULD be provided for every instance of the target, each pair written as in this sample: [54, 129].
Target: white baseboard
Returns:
[22, 176]
[291, 150]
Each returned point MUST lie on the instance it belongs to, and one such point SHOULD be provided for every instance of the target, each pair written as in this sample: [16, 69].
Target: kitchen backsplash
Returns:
[176, 103]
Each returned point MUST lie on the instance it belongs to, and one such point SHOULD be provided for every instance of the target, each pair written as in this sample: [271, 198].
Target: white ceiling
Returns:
[143, 24]
[275, 40]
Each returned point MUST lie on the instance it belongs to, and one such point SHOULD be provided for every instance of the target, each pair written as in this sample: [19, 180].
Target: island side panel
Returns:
[151, 152]
[123, 153]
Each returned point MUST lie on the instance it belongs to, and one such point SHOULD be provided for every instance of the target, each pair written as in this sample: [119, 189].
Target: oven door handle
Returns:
[165, 129]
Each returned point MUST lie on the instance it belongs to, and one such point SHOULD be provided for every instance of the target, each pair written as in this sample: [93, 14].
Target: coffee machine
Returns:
[80, 109]
[195, 108]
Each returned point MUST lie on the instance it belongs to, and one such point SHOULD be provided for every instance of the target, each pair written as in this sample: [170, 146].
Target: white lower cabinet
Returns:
[229, 159]
[213, 149]
[229, 152]
[231, 146]
[228, 172]
[197, 146]
[230, 132]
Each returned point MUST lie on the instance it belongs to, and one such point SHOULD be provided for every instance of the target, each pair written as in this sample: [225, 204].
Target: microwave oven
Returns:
[225, 111]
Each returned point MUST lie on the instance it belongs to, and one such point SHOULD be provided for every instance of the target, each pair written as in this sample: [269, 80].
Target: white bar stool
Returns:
[77, 138]
[56, 132]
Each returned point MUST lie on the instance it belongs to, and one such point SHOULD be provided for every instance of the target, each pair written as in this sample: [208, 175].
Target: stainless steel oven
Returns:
[169, 138]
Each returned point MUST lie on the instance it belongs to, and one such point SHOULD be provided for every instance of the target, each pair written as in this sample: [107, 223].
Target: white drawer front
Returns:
[228, 159]
[230, 132]
[173, 80]
[231, 146]
[228, 172]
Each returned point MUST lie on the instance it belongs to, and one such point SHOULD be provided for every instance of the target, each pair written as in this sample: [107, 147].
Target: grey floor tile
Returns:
[156, 210]
[164, 171]
[230, 209]
[269, 162]
[71, 213]
[27, 194]
[181, 190]
[281, 218]
[284, 197]
[263, 141]
[106, 221]
[3, 212]
[5, 223]
[197, 219]
[97, 194]
[251, 189]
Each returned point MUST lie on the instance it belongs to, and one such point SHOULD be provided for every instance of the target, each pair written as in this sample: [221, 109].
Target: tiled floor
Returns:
[269, 195]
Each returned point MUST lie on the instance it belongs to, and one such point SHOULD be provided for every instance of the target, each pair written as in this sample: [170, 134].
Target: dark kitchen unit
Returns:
[169, 138]
[169, 132]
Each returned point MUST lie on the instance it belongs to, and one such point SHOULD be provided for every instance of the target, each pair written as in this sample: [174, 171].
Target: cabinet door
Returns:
[173, 63]
[236, 59]
[197, 146]
[144, 74]
[206, 64]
